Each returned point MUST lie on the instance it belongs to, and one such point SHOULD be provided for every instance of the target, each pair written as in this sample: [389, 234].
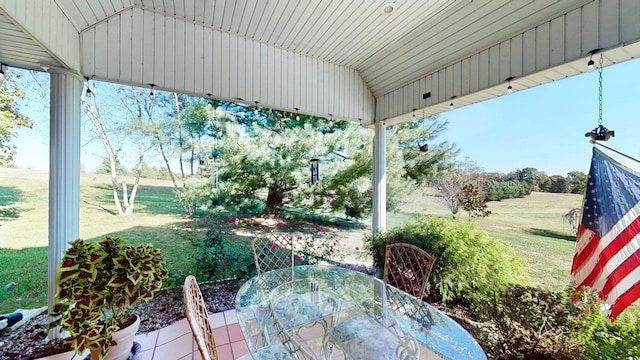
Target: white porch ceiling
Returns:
[349, 58]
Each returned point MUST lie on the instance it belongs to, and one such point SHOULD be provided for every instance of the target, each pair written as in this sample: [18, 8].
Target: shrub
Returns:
[602, 339]
[469, 265]
[222, 254]
[529, 323]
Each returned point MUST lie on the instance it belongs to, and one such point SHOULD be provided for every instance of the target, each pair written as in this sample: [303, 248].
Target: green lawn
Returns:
[533, 226]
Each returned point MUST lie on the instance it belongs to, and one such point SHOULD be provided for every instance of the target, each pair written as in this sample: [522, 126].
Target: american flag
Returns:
[607, 257]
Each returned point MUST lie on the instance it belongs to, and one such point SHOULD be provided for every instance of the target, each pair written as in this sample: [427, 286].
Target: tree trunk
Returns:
[275, 198]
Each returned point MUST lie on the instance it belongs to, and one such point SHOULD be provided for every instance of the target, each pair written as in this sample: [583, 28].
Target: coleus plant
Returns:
[99, 282]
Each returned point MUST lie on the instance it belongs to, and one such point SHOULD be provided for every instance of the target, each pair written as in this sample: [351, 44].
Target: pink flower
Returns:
[319, 229]
[224, 261]
[357, 248]
[187, 224]
[298, 258]
[310, 245]
[275, 246]
[299, 237]
[334, 244]
[231, 219]
[280, 224]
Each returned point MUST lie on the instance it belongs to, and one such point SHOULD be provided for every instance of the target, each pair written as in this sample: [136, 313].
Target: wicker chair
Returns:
[407, 267]
[196, 313]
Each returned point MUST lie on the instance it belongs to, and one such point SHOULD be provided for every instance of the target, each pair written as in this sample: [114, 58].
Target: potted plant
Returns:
[98, 285]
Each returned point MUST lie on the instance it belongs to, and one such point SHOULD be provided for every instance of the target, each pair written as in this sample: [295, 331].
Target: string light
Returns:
[152, 96]
[414, 114]
[88, 93]
[509, 88]
[330, 119]
[591, 65]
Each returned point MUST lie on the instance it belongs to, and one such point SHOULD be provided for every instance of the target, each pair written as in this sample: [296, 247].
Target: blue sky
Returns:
[542, 127]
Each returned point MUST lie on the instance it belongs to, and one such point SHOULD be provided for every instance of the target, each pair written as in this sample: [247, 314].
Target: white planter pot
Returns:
[124, 337]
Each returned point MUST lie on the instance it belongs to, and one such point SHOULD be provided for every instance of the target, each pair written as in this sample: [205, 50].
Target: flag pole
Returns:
[615, 150]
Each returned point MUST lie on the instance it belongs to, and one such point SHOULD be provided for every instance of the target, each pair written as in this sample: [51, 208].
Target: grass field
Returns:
[533, 226]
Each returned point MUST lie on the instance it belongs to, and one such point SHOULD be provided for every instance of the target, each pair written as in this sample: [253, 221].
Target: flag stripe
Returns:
[620, 265]
[615, 283]
[585, 236]
[584, 270]
[627, 298]
[613, 256]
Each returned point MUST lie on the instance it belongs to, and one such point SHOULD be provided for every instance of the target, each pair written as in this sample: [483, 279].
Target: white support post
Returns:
[64, 171]
[379, 221]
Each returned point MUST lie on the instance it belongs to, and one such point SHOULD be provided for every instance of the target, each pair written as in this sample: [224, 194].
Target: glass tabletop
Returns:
[325, 311]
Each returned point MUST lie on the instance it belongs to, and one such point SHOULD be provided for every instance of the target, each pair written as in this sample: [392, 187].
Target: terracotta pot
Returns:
[124, 337]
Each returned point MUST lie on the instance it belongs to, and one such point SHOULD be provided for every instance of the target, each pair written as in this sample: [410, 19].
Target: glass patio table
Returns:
[322, 312]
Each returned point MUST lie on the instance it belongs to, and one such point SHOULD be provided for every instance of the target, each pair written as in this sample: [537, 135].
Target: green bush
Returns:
[470, 266]
[222, 253]
[529, 323]
[602, 339]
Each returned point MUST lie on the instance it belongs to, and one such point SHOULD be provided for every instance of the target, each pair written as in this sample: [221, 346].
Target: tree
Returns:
[450, 184]
[576, 182]
[10, 117]
[138, 108]
[473, 202]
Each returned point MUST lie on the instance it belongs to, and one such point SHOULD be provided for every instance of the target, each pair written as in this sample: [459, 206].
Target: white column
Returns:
[379, 221]
[64, 170]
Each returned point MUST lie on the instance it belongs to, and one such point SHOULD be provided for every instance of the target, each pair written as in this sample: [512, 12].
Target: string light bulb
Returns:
[451, 104]
[152, 96]
[297, 115]
[88, 93]
[591, 65]
[255, 111]
[509, 88]
[414, 115]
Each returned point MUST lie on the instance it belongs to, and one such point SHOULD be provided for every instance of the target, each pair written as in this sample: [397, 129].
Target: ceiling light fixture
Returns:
[388, 8]
[508, 80]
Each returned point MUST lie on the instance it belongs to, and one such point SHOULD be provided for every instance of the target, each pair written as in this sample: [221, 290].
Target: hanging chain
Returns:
[600, 133]
[600, 92]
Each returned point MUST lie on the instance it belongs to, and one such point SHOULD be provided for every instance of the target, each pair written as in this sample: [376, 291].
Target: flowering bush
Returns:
[223, 254]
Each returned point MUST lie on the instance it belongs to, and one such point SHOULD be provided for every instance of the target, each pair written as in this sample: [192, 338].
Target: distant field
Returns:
[533, 226]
